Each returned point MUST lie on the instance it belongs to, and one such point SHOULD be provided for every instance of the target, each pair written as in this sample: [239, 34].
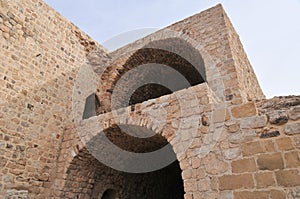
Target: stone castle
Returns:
[73, 115]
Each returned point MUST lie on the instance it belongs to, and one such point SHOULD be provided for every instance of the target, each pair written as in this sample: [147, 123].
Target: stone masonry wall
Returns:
[40, 54]
[247, 80]
[228, 145]
[250, 150]
[228, 70]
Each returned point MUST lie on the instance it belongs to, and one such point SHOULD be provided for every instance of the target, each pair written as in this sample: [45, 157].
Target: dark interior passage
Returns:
[148, 91]
[89, 178]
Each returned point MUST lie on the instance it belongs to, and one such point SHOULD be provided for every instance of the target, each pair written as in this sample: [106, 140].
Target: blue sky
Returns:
[269, 29]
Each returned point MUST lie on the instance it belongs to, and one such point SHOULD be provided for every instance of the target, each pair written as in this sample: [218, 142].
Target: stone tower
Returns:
[177, 114]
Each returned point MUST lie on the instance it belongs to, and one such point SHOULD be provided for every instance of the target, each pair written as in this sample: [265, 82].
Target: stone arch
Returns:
[90, 128]
[76, 139]
[86, 177]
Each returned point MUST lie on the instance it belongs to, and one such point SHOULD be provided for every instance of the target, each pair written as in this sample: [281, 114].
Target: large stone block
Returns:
[270, 161]
[284, 144]
[288, 178]
[292, 129]
[292, 159]
[252, 148]
[264, 180]
[294, 113]
[213, 165]
[244, 110]
[278, 117]
[277, 194]
[254, 122]
[251, 195]
[232, 182]
[243, 165]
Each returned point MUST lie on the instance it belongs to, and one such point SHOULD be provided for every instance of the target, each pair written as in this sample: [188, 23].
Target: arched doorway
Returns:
[89, 178]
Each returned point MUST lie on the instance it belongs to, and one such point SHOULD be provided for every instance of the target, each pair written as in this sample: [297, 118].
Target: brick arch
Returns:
[126, 59]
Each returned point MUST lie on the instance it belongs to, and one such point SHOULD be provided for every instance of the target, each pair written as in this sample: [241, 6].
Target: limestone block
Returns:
[264, 179]
[233, 153]
[278, 117]
[243, 165]
[270, 161]
[292, 159]
[250, 194]
[213, 165]
[254, 122]
[294, 113]
[288, 178]
[244, 110]
[292, 129]
[232, 182]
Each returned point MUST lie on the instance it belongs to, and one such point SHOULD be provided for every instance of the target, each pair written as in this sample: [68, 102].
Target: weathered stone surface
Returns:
[292, 159]
[226, 195]
[294, 193]
[231, 154]
[203, 185]
[205, 120]
[278, 117]
[270, 161]
[264, 180]
[269, 145]
[220, 115]
[20, 194]
[277, 194]
[297, 142]
[252, 148]
[213, 165]
[288, 178]
[232, 126]
[245, 110]
[196, 162]
[245, 135]
[243, 165]
[284, 144]
[187, 174]
[188, 196]
[292, 129]
[269, 134]
[232, 182]
[254, 122]
[190, 185]
[294, 113]
[251, 195]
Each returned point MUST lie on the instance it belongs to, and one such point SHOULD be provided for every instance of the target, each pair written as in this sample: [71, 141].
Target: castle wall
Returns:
[250, 150]
[40, 55]
[227, 144]
[247, 79]
[227, 68]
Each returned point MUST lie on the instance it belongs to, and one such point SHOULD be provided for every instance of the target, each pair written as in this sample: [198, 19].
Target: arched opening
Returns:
[91, 105]
[160, 68]
[87, 177]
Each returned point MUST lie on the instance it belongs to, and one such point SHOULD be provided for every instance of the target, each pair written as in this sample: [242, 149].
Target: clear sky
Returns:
[269, 29]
